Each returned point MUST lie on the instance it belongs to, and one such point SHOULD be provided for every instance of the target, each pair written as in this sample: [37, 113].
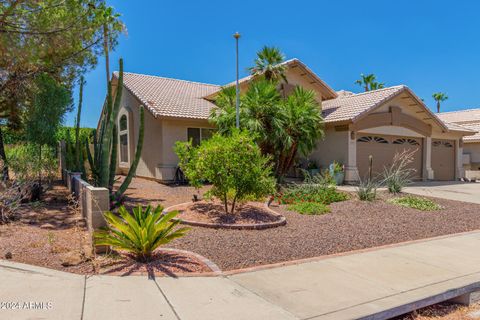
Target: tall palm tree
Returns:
[439, 97]
[268, 64]
[302, 125]
[368, 82]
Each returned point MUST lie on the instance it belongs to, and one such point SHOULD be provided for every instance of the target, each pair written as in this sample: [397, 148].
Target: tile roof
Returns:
[349, 106]
[170, 97]
[330, 93]
[467, 119]
[461, 116]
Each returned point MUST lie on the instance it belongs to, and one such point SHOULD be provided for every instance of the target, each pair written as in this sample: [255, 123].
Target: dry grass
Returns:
[442, 311]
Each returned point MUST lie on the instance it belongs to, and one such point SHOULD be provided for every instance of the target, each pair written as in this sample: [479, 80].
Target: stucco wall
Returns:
[152, 143]
[473, 149]
[333, 148]
[174, 130]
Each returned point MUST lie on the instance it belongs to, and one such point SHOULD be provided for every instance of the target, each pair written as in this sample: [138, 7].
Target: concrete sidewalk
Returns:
[375, 284]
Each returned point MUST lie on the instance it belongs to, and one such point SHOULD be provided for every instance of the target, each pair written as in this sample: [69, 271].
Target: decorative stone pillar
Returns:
[428, 173]
[351, 170]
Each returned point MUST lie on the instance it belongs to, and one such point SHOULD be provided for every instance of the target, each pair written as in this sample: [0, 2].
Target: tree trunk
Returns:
[438, 106]
[234, 203]
[40, 165]
[4, 175]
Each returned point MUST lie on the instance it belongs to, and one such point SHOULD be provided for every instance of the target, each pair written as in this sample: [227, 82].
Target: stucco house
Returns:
[471, 144]
[378, 123]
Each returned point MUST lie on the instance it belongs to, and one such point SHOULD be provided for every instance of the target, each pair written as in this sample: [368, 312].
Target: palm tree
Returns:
[269, 64]
[302, 125]
[368, 82]
[439, 97]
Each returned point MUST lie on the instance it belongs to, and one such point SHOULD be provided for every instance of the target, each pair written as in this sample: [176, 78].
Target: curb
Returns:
[252, 226]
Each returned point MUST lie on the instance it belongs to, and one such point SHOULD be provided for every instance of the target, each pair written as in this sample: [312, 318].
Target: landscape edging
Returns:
[281, 222]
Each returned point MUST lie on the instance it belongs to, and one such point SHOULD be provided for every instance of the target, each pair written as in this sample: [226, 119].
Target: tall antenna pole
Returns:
[237, 36]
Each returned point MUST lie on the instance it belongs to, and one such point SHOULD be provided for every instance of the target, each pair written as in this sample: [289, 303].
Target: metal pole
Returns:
[237, 36]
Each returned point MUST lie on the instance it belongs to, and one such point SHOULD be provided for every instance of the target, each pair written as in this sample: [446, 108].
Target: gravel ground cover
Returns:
[444, 311]
[350, 225]
[52, 234]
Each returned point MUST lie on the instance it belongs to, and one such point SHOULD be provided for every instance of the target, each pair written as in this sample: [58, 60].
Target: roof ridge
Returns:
[377, 90]
[458, 111]
[168, 78]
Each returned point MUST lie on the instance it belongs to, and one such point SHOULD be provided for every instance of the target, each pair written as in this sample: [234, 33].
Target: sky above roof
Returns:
[429, 45]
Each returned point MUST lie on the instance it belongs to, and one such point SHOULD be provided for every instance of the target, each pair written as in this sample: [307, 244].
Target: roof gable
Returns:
[322, 87]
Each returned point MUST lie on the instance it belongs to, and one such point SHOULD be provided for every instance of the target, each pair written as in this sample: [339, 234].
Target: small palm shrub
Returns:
[367, 190]
[309, 208]
[416, 203]
[139, 233]
[398, 175]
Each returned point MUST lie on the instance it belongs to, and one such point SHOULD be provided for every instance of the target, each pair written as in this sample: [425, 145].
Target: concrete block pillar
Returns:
[428, 173]
[98, 201]
[468, 299]
[73, 181]
[459, 170]
[351, 170]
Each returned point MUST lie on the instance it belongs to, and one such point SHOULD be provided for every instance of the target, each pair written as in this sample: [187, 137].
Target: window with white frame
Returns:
[123, 138]
[199, 134]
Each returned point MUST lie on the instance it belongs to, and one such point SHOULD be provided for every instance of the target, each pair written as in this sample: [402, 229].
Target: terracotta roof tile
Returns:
[350, 106]
[170, 97]
[461, 116]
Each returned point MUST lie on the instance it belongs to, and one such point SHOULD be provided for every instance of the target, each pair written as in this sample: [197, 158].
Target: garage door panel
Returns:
[443, 159]
[383, 149]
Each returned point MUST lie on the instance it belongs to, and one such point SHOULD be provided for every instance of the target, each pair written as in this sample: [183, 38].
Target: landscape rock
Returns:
[48, 226]
[71, 259]
[8, 255]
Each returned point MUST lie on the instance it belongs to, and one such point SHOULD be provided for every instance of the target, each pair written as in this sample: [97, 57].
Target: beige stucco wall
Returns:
[333, 148]
[473, 149]
[152, 143]
[174, 130]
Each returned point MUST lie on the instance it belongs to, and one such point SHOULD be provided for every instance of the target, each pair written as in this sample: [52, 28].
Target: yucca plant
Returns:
[139, 233]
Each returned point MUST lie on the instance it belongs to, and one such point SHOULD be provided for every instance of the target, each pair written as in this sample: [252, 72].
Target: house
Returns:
[378, 123]
[471, 144]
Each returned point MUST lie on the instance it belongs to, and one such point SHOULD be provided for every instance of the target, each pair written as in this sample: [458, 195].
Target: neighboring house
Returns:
[378, 123]
[471, 144]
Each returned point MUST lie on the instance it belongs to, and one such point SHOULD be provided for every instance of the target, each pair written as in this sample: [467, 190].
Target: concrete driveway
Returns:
[452, 190]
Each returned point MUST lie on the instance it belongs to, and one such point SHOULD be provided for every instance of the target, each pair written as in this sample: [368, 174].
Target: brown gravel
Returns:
[48, 231]
[208, 212]
[351, 225]
[163, 263]
[65, 232]
[442, 311]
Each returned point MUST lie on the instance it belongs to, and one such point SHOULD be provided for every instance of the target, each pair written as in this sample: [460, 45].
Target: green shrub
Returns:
[23, 160]
[416, 203]
[367, 190]
[233, 165]
[309, 193]
[309, 208]
[139, 233]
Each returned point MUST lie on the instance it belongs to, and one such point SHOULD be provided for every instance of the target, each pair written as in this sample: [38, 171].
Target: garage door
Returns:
[383, 149]
[443, 159]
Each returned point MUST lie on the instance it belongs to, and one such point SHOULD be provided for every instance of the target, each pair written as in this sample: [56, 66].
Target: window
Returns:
[411, 142]
[123, 134]
[372, 139]
[199, 134]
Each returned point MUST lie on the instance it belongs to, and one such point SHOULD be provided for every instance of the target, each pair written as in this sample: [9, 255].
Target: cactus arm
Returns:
[77, 128]
[113, 158]
[90, 159]
[107, 135]
[138, 153]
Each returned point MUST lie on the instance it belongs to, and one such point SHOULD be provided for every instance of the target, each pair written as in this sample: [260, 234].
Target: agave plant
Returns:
[139, 233]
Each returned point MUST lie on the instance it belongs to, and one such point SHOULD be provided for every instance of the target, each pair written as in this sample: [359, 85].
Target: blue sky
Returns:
[428, 45]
